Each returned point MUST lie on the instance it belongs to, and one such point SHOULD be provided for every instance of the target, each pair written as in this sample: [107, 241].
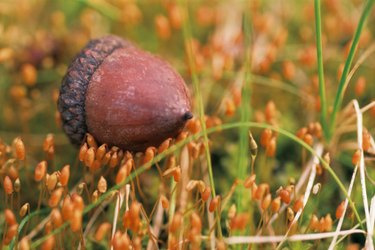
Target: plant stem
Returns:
[341, 88]
[199, 100]
[245, 115]
[319, 51]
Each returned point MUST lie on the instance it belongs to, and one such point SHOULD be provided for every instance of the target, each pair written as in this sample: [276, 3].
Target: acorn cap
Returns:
[71, 102]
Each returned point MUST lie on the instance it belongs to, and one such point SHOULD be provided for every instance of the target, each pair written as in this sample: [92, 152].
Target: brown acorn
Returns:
[123, 96]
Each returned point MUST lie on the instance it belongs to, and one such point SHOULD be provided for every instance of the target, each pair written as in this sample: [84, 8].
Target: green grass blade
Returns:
[243, 152]
[319, 51]
[199, 100]
[341, 88]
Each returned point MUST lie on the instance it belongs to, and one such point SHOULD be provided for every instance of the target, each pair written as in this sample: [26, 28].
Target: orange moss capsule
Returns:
[91, 141]
[64, 176]
[114, 160]
[301, 132]
[24, 209]
[206, 194]
[17, 185]
[82, 152]
[314, 223]
[328, 223]
[319, 169]
[271, 147]
[164, 145]
[366, 140]
[340, 210]
[162, 26]
[102, 150]
[177, 174]
[275, 204]
[48, 143]
[8, 185]
[29, 74]
[40, 171]
[356, 157]
[239, 221]
[308, 139]
[95, 195]
[316, 188]
[6, 54]
[13, 172]
[193, 125]
[67, 208]
[56, 218]
[117, 242]
[52, 181]
[76, 220]
[249, 181]
[10, 233]
[266, 201]
[327, 158]
[265, 137]
[164, 202]
[285, 196]
[102, 185]
[78, 202]
[181, 136]
[10, 218]
[220, 245]
[191, 185]
[289, 214]
[24, 244]
[261, 191]
[126, 220]
[19, 149]
[298, 205]
[49, 244]
[193, 150]
[102, 230]
[196, 221]
[175, 16]
[149, 154]
[176, 223]
[131, 217]
[360, 86]
[270, 111]
[55, 197]
[288, 70]
[137, 243]
[89, 157]
[122, 174]
[308, 56]
[214, 203]
[230, 107]
[232, 211]
[95, 165]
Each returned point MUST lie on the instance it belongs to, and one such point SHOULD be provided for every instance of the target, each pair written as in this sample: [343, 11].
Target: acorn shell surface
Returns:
[128, 97]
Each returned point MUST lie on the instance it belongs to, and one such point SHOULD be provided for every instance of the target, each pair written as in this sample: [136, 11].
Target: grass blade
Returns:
[199, 100]
[341, 88]
[319, 51]
[243, 151]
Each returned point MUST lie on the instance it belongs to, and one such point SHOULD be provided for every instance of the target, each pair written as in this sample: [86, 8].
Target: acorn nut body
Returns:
[123, 96]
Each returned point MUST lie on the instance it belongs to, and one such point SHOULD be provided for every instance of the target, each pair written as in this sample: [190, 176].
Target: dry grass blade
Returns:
[341, 220]
[297, 237]
[319, 150]
[369, 240]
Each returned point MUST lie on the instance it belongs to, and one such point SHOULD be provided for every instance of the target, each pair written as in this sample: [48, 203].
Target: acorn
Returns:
[123, 96]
